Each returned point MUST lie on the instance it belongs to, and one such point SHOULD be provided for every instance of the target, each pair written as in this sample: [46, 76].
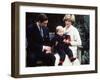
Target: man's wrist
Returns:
[44, 48]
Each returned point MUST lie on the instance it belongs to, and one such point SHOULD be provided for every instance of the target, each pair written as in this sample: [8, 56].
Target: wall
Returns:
[5, 40]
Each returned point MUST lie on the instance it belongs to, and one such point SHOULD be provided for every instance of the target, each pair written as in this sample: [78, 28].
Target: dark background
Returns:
[81, 23]
[54, 20]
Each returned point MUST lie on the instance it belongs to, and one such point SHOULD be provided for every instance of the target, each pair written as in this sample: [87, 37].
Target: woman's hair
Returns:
[69, 17]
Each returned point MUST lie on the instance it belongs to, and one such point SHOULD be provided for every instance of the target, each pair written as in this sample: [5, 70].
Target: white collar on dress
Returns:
[68, 29]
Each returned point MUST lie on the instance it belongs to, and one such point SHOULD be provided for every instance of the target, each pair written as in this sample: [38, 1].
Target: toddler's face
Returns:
[60, 32]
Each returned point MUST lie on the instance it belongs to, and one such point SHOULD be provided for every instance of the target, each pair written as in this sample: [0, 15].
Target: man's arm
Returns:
[31, 39]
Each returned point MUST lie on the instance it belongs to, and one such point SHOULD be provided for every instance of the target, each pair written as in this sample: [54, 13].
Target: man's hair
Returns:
[42, 17]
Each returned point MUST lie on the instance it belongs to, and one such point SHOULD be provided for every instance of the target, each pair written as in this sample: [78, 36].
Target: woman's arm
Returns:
[76, 39]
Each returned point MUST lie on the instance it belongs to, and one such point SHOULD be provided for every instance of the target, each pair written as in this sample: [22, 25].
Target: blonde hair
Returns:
[59, 28]
[70, 17]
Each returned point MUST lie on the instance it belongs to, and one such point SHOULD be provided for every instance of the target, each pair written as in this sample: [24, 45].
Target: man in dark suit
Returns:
[38, 47]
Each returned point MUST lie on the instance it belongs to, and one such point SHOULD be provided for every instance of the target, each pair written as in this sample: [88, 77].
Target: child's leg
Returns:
[62, 55]
[70, 54]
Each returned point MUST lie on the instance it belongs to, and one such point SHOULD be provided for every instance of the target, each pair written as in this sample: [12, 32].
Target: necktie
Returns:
[41, 31]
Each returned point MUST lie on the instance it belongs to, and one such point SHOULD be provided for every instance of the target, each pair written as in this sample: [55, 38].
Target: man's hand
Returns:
[48, 52]
[47, 49]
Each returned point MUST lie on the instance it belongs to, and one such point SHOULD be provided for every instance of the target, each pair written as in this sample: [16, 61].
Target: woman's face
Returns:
[68, 23]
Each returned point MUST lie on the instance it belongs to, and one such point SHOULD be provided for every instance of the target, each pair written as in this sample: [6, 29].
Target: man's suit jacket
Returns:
[35, 40]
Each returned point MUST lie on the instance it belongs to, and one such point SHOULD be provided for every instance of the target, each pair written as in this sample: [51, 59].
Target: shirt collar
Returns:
[38, 25]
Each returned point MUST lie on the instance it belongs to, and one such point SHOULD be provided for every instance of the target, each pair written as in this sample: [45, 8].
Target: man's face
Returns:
[44, 23]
